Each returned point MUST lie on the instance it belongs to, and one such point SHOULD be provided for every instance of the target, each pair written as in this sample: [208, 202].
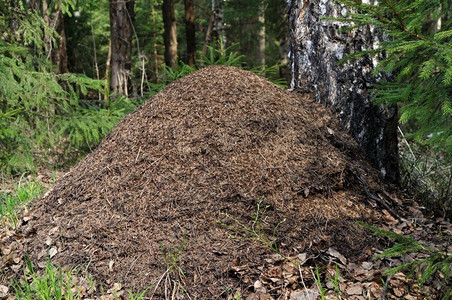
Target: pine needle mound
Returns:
[220, 140]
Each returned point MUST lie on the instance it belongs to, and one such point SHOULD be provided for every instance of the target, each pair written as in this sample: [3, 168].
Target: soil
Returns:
[195, 190]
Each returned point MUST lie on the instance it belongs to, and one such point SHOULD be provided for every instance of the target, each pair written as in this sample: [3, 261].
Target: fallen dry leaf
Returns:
[334, 253]
[306, 294]
[354, 289]
[259, 287]
[53, 251]
[275, 272]
[398, 291]
[303, 258]
[3, 290]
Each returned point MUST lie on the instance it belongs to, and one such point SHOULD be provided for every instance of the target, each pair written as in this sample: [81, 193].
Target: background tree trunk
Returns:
[59, 56]
[261, 33]
[121, 31]
[190, 31]
[315, 48]
[169, 34]
[56, 51]
[208, 38]
[218, 30]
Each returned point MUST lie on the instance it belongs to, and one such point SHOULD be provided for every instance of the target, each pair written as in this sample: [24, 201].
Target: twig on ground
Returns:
[375, 197]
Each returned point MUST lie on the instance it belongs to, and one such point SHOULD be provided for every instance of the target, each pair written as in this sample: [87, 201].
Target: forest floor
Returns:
[224, 186]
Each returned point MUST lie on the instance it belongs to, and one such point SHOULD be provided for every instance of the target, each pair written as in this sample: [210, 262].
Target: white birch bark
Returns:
[316, 46]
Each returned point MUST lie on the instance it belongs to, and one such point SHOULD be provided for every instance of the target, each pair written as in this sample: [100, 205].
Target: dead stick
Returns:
[376, 198]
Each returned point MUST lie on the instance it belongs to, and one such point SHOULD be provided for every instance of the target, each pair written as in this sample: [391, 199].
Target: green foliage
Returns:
[271, 73]
[417, 54]
[138, 295]
[54, 283]
[318, 283]
[224, 56]
[42, 112]
[85, 127]
[336, 281]
[435, 263]
[21, 194]
[35, 104]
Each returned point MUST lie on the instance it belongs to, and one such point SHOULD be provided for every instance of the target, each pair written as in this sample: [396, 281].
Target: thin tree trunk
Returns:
[218, 30]
[56, 50]
[14, 20]
[169, 34]
[96, 65]
[208, 38]
[190, 31]
[60, 56]
[261, 33]
[154, 45]
[121, 32]
[107, 75]
[316, 46]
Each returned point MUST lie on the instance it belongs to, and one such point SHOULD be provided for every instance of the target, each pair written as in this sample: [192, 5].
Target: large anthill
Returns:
[220, 140]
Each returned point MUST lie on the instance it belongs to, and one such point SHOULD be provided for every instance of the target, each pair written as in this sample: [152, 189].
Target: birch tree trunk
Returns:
[218, 30]
[121, 31]
[315, 48]
[261, 33]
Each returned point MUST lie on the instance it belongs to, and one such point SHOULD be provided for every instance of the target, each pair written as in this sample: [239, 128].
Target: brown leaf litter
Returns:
[219, 140]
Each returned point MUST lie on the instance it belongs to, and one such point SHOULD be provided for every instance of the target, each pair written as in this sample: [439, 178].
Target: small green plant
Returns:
[173, 257]
[224, 56]
[53, 283]
[435, 263]
[237, 296]
[318, 283]
[173, 261]
[23, 192]
[256, 231]
[138, 295]
[272, 74]
[335, 281]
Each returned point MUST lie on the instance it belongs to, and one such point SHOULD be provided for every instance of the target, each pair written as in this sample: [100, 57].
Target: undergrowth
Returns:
[16, 197]
[434, 264]
[428, 175]
[53, 283]
[56, 283]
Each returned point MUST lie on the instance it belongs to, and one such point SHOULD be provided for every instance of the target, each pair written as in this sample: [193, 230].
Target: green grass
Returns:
[318, 283]
[53, 283]
[20, 194]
